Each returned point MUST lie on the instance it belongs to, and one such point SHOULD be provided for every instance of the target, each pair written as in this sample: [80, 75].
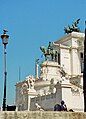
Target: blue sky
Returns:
[32, 23]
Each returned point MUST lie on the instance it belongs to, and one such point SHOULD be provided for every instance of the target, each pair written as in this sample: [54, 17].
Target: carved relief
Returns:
[24, 88]
[52, 87]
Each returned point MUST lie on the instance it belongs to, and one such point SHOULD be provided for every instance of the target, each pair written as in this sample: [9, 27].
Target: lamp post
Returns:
[5, 42]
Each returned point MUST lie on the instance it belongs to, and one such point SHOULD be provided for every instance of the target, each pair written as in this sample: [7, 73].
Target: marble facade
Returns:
[58, 80]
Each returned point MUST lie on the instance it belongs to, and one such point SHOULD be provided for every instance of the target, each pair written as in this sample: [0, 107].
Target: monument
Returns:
[61, 77]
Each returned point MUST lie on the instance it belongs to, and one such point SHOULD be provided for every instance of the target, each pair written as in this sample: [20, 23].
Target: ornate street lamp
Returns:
[5, 42]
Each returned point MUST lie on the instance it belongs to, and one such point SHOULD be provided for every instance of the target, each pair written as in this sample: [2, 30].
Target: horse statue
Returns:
[54, 54]
[68, 29]
[49, 52]
[44, 50]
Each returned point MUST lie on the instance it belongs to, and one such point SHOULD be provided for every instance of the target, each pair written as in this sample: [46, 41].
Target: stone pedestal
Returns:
[50, 70]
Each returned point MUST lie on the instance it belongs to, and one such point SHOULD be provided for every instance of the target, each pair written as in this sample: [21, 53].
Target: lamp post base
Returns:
[4, 105]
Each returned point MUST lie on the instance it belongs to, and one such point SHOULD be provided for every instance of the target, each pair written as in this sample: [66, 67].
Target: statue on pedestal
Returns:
[28, 84]
[30, 81]
[49, 53]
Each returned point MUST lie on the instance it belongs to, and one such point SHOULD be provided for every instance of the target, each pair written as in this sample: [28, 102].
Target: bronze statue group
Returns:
[73, 28]
[49, 53]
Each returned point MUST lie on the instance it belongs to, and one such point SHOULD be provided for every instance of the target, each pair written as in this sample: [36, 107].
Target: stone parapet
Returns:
[42, 115]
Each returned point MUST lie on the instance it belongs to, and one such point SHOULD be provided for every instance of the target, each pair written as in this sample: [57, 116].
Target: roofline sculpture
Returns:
[72, 28]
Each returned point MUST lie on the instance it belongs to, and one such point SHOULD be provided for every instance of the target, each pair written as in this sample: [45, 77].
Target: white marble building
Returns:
[58, 80]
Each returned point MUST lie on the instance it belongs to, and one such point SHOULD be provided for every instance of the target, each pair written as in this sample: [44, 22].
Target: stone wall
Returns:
[64, 91]
[46, 102]
[42, 115]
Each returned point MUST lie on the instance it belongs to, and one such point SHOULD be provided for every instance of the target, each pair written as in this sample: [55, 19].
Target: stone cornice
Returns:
[70, 36]
[49, 63]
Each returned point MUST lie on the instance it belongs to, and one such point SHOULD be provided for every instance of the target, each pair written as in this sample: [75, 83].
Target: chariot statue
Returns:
[49, 52]
[72, 28]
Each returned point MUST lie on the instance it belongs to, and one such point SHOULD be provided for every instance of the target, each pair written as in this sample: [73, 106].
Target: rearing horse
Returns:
[44, 50]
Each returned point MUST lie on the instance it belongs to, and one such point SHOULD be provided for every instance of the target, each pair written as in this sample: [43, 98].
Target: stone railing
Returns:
[48, 100]
[42, 115]
[43, 97]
